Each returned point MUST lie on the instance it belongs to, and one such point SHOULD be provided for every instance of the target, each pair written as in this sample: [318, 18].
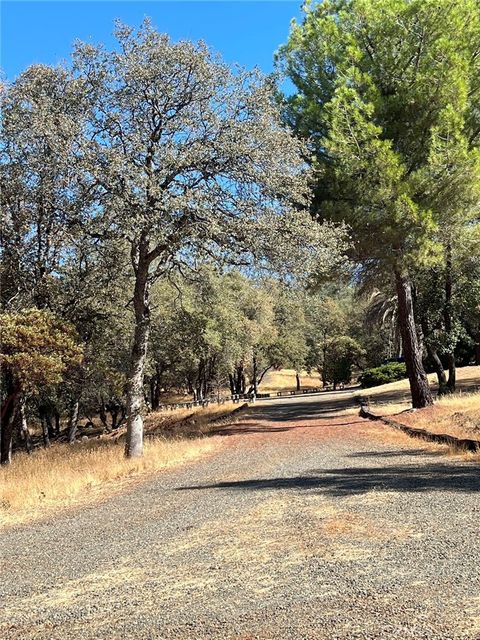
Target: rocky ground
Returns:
[306, 523]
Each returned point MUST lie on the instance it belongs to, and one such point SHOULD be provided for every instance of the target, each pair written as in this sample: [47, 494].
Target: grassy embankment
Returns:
[35, 485]
[457, 415]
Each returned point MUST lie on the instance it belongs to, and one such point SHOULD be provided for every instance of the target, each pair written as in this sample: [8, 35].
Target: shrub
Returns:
[382, 375]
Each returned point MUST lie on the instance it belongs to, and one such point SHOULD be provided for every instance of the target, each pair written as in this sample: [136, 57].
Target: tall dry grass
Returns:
[458, 415]
[285, 380]
[36, 485]
[63, 475]
[196, 421]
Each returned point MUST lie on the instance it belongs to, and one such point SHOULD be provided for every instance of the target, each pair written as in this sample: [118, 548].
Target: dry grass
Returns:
[63, 475]
[457, 415]
[186, 423]
[387, 435]
[285, 380]
[398, 393]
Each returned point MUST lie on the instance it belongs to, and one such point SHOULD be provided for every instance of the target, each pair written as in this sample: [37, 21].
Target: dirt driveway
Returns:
[307, 523]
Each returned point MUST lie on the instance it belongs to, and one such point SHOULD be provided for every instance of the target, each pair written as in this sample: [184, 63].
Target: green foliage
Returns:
[37, 348]
[390, 372]
[341, 353]
[329, 314]
[216, 324]
[42, 197]
[159, 155]
[394, 129]
[387, 98]
[159, 160]
[188, 159]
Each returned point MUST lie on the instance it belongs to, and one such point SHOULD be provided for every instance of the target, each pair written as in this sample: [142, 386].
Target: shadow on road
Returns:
[238, 428]
[308, 409]
[396, 453]
[354, 481]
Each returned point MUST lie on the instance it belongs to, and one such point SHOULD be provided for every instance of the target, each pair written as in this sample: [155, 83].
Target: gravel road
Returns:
[305, 524]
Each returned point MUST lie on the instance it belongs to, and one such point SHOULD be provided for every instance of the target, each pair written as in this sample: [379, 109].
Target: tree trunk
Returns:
[7, 435]
[113, 408]
[212, 372]
[46, 423]
[452, 372]
[447, 314]
[134, 441]
[205, 388]
[255, 375]
[21, 427]
[45, 432]
[49, 423]
[261, 377]
[200, 383]
[73, 420]
[155, 386]
[202, 378]
[419, 388]
[7, 422]
[240, 380]
[324, 354]
[297, 376]
[56, 416]
[102, 413]
[123, 415]
[434, 357]
[439, 370]
[152, 392]
[231, 382]
[263, 374]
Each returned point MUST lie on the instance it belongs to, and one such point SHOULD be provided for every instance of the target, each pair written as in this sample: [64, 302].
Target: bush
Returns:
[382, 375]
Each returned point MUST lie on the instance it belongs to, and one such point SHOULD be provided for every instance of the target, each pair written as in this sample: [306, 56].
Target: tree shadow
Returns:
[396, 453]
[460, 478]
[297, 410]
[242, 428]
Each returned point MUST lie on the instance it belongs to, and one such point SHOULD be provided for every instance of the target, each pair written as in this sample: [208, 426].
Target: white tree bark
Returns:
[134, 442]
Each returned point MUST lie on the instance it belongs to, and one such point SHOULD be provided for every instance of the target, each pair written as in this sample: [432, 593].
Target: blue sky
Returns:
[247, 32]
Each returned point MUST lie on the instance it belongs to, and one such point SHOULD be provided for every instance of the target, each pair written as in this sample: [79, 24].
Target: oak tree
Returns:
[190, 160]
